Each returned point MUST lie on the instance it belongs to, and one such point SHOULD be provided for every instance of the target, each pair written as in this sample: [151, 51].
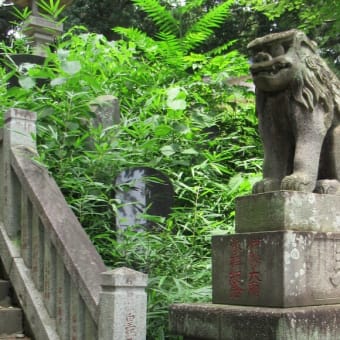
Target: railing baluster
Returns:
[20, 124]
[11, 204]
[50, 277]
[63, 300]
[77, 321]
[37, 251]
[26, 229]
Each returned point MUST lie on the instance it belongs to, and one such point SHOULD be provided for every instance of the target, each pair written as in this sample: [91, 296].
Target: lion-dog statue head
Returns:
[298, 107]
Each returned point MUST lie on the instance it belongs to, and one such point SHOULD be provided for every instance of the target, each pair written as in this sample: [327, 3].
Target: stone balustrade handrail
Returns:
[61, 281]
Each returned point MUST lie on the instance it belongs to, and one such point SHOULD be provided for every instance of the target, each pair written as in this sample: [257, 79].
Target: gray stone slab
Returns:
[276, 269]
[10, 320]
[142, 191]
[288, 210]
[227, 322]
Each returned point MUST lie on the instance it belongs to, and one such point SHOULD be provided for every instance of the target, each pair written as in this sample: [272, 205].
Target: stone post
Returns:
[18, 130]
[107, 111]
[122, 306]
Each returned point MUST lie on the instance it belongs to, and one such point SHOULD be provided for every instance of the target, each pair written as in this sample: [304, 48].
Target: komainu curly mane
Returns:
[298, 106]
[316, 83]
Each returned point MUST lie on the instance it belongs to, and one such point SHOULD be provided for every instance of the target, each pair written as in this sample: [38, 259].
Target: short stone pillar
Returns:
[122, 306]
[277, 278]
[18, 131]
[106, 110]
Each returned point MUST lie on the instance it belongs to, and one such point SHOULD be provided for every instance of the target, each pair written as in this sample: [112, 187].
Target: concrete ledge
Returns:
[288, 210]
[227, 322]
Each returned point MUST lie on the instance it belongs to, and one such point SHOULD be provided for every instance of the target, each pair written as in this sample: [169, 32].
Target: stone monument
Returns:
[42, 30]
[142, 192]
[278, 277]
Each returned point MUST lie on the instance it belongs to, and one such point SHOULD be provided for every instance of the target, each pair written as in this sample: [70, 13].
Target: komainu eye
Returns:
[277, 50]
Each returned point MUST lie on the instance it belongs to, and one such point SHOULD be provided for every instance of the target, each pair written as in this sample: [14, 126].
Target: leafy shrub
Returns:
[179, 114]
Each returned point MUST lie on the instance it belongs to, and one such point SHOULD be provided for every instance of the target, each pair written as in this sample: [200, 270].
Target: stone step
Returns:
[14, 337]
[10, 320]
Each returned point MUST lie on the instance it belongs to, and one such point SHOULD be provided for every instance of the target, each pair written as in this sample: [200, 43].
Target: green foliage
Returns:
[160, 15]
[311, 14]
[21, 15]
[179, 114]
[51, 9]
[319, 19]
[202, 29]
[171, 25]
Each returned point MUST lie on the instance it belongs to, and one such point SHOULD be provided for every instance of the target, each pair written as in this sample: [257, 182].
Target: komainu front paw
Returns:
[328, 186]
[298, 182]
[265, 185]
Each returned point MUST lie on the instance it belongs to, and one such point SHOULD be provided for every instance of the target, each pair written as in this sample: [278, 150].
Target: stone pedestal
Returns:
[287, 210]
[278, 277]
[227, 322]
[276, 269]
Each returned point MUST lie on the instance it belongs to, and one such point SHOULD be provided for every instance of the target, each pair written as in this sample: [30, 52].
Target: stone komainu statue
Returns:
[298, 107]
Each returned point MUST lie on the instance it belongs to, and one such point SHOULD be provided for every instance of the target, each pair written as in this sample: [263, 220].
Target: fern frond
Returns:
[191, 5]
[169, 39]
[171, 49]
[160, 15]
[192, 39]
[205, 25]
[140, 38]
[221, 49]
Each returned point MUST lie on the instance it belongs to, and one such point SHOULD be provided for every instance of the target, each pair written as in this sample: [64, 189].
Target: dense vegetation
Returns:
[247, 20]
[186, 110]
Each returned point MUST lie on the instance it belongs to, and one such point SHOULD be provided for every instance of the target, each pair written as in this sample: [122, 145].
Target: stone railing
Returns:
[61, 282]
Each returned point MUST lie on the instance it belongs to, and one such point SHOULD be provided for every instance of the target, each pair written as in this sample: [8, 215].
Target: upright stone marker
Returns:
[106, 111]
[142, 191]
[278, 277]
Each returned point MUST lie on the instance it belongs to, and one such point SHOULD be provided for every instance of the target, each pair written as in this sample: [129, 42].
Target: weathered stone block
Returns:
[288, 210]
[10, 320]
[276, 269]
[223, 322]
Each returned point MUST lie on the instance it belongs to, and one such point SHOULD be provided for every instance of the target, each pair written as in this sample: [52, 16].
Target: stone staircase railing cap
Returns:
[123, 277]
[20, 114]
